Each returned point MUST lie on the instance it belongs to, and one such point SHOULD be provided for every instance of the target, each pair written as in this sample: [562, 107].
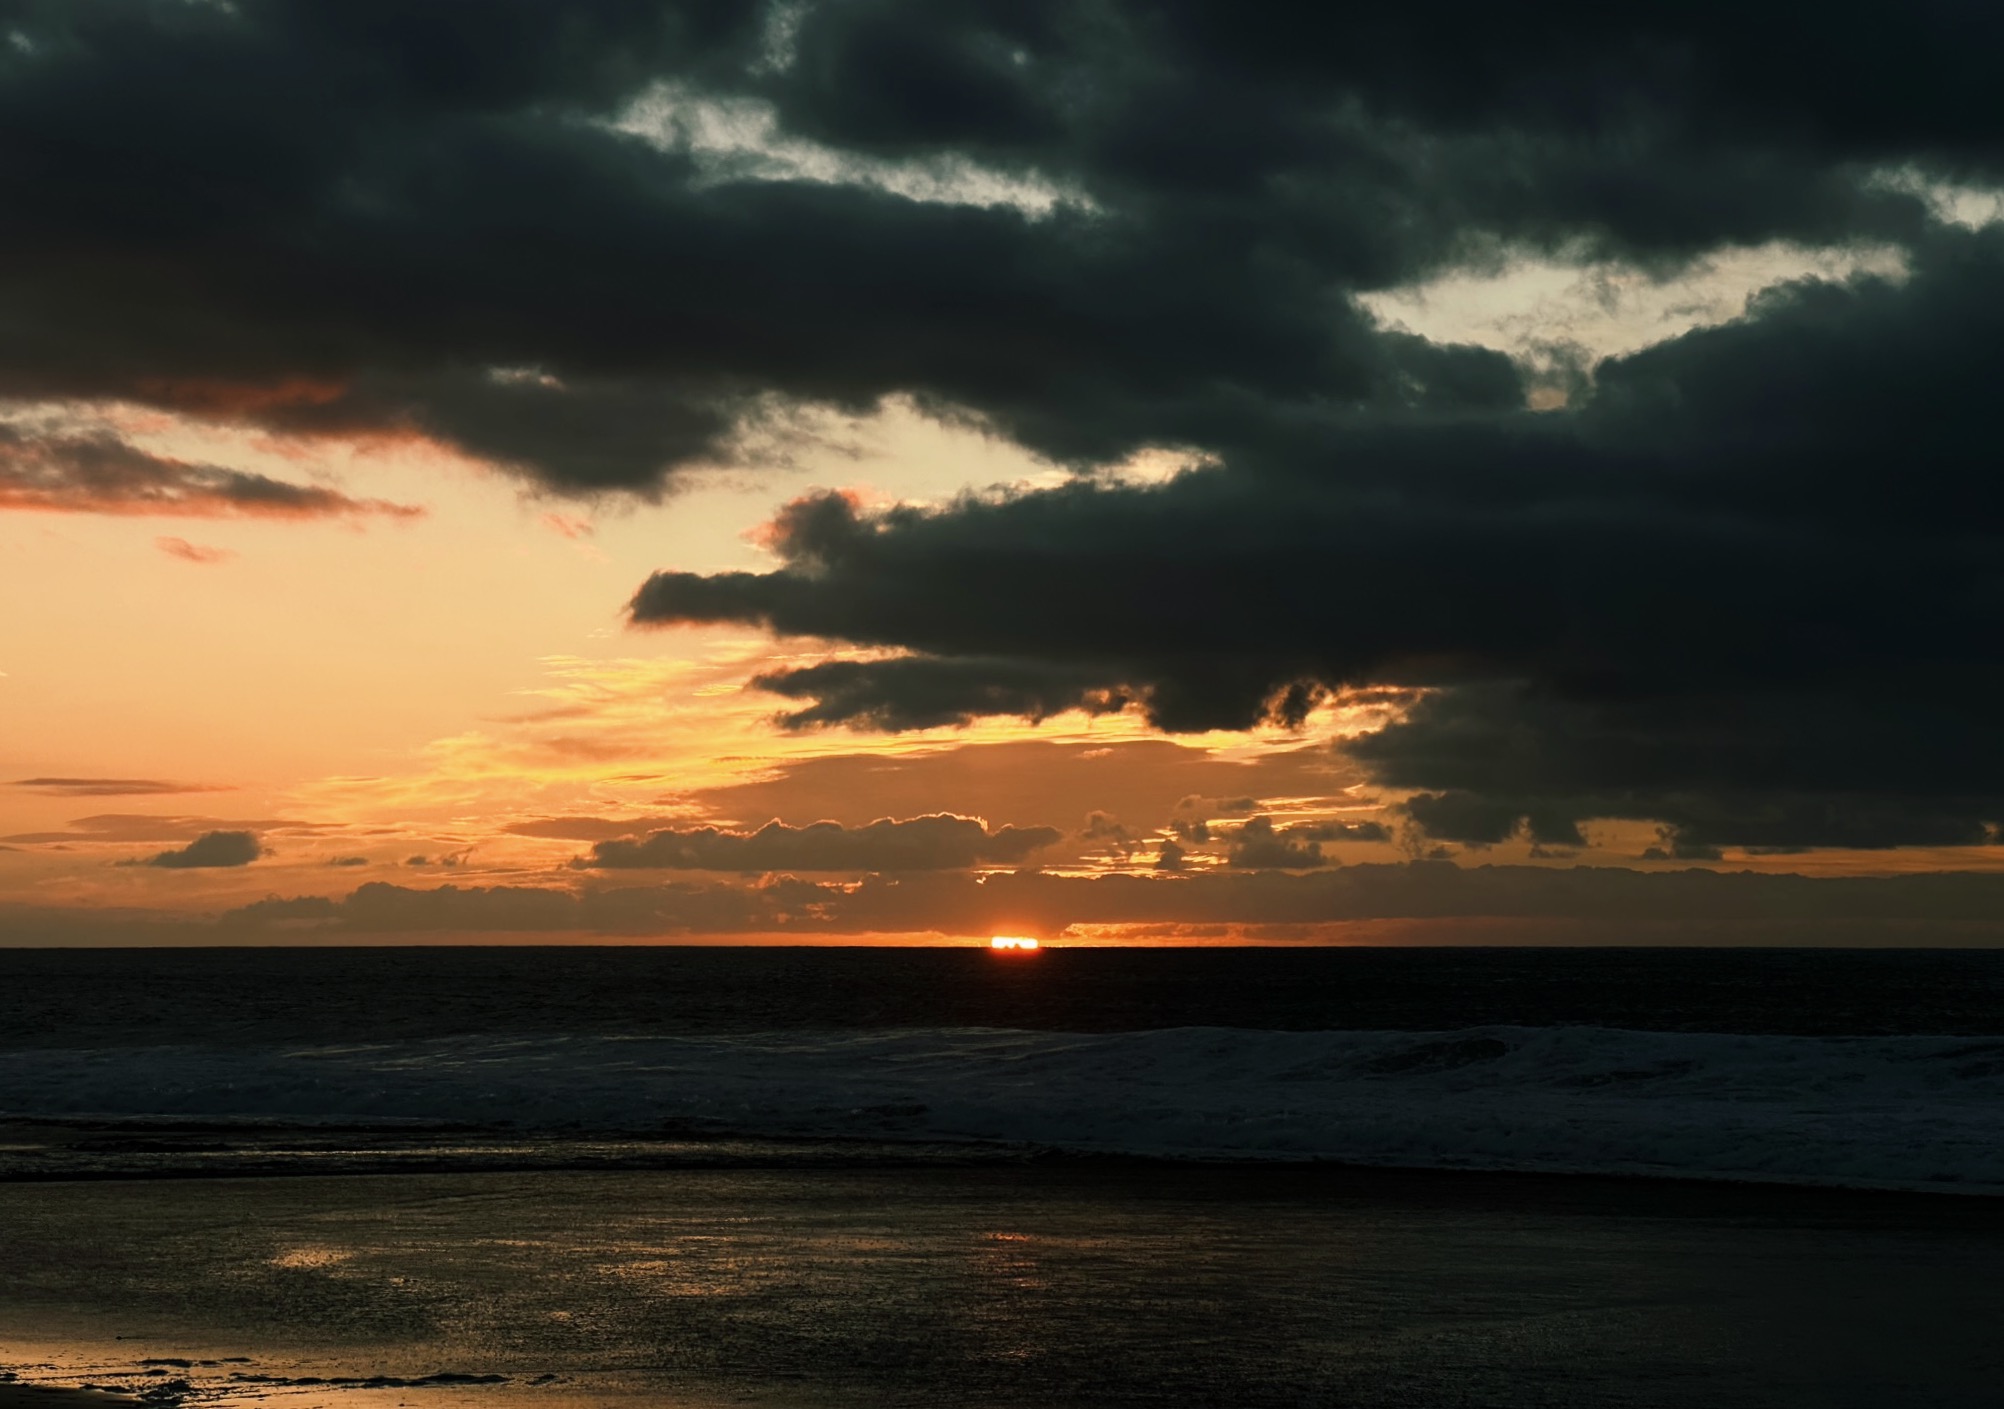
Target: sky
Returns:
[1117, 472]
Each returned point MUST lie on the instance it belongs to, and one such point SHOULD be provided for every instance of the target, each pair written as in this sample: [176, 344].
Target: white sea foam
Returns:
[1910, 1112]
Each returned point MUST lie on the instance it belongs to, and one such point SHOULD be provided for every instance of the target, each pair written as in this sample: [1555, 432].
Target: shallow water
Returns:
[1047, 1284]
[1884, 1112]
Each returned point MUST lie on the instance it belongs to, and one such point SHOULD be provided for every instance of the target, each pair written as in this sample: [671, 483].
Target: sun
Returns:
[1012, 942]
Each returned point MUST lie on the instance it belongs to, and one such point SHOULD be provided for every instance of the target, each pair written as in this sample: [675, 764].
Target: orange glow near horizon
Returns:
[1013, 944]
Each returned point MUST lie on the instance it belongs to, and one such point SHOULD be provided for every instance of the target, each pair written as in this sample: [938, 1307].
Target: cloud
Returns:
[141, 827]
[97, 473]
[1256, 845]
[1428, 898]
[586, 828]
[116, 787]
[1778, 769]
[603, 244]
[938, 842]
[1746, 589]
[1340, 831]
[211, 849]
[192, 552]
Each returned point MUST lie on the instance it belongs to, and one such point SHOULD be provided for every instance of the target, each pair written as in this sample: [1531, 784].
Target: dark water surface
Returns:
[538, 1263]
[1006, 1287]
[95, 998]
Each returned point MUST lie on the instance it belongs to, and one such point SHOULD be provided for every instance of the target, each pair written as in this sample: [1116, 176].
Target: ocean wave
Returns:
[1897, 1112]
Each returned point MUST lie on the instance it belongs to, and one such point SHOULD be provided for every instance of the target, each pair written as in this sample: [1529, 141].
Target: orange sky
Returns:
[425, 679]
[450, 697]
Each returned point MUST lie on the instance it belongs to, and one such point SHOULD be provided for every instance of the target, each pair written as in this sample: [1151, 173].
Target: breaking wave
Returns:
[1899, 1112]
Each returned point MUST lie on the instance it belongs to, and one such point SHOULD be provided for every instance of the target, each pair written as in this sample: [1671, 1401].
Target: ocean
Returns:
[817, 1177]
[1878, 1069]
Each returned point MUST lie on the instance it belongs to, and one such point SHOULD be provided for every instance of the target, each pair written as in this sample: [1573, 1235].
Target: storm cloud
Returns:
[1742, 585]
[1747, 589]
[600, 242]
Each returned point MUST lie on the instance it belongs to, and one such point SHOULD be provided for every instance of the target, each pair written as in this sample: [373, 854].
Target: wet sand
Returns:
[1050, 1285]
[27, 1396]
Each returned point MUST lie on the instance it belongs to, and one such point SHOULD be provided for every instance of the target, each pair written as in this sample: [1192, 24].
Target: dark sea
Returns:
[816, 1177]
[140, 997]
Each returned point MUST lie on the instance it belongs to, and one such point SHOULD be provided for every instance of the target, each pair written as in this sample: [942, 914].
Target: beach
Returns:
[1033, 1283]
[358, 1180]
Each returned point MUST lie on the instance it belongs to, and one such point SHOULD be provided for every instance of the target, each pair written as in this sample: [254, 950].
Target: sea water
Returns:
[1879, 1069]
[570, 1178]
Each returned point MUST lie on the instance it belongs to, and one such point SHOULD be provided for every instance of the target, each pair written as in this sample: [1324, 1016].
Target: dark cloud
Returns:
[923, 692]
[1781, 769]
[211, 849]
[1257, 846]
[938, 842]
[116, 787]
[357, 216]
[275, 214]
[97, 473]
[1746, 590]
[1340, 831]
[1104, 826]
[1743, 589]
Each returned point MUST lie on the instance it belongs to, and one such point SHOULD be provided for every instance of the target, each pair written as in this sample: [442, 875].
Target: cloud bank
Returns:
[1608, 904]
[938, 842]
[1745, 590]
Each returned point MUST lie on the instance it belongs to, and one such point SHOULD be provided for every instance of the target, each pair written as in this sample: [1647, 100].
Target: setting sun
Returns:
[1012, 942]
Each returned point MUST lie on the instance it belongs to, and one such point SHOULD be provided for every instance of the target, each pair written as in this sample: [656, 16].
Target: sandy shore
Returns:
[1005, 1286]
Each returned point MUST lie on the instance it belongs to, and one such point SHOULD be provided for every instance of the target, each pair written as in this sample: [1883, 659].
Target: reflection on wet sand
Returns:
[1046, 1285]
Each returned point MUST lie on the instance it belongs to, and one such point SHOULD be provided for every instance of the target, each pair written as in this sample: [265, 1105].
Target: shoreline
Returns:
[1047, 1283]
[144, 1153]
